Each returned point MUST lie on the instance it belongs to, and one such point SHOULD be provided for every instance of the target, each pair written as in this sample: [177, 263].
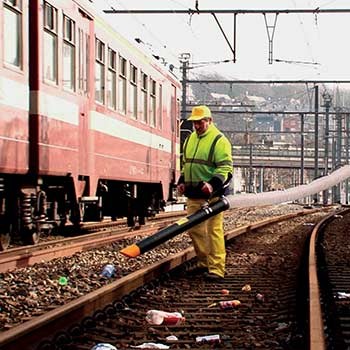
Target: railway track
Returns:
[70, 230]
[91, 236]
[330, 293]
[268, 262]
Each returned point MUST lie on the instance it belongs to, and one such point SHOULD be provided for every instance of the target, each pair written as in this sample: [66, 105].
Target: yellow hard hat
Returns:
[200, 112]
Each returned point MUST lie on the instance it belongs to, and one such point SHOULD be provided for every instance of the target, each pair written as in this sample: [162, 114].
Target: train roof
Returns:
[145, 57]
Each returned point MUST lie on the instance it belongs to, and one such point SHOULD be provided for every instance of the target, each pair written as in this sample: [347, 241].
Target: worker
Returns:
[206, 167]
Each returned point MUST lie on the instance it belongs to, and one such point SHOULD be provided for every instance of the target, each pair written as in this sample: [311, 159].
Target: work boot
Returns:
[197, 270]
[213, 277]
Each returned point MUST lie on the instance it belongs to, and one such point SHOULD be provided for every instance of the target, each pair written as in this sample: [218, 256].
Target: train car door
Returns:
[85, 37]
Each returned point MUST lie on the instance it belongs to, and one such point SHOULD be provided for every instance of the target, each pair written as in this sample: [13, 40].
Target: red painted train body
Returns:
[89, 124]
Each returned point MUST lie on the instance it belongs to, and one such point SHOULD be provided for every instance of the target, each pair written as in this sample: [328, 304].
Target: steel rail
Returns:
[317, 337]
[316, 332]
[29, 255]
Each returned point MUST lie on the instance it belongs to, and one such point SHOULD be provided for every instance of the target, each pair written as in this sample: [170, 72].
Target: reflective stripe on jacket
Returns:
[206, 157]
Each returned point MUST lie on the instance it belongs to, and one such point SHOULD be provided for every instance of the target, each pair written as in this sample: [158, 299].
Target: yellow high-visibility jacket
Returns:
[206, 158]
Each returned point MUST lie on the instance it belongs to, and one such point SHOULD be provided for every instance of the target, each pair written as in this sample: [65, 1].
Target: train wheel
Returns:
[142, 220]
[130, 221]
[4, 241]
[35, 237]
[30, 236]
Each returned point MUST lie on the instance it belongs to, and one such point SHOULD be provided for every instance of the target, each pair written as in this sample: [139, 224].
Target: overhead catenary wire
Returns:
[192, 9]
[163, 46]
[144, 26]
[229, 11]
[296, 62]
[308, 45]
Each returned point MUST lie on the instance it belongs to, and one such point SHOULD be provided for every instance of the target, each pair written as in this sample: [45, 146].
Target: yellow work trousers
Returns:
[208, 239]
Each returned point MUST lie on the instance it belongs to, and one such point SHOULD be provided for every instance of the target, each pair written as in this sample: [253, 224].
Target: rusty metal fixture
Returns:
[26, 211]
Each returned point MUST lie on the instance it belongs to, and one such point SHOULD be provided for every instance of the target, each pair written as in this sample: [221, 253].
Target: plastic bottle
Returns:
[104, 346]
[229, 304]
[212, 339]
[157, 317]
[63, 281]
[108, 271]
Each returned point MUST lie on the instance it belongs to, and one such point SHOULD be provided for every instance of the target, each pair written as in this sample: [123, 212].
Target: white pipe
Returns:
[290, 194]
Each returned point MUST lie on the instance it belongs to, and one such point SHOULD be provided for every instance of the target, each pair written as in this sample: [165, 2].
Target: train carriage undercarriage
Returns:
[30, 207]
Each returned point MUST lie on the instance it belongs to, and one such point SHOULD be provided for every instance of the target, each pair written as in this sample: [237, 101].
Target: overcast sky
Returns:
[315, 46]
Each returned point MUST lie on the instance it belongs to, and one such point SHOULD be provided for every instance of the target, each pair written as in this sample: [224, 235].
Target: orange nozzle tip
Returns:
[132, 251]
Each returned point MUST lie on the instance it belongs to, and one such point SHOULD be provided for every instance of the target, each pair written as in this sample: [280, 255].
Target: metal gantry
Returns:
[267, 13]
[334, 135]
[321, 156]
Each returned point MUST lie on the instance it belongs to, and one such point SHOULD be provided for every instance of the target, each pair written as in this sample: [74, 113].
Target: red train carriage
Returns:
[14, 109]
[101, 137]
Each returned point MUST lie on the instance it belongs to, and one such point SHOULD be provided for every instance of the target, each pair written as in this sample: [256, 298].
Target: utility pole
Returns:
[251, 184]
[248, 141]
[316, 140]
[302, 145]
[339, 118]
[327, 99]
[334, 188]
[347, 145]
[185, 126]
[184, 58]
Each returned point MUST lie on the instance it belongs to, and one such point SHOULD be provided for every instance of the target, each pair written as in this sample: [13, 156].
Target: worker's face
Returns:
[202, 125]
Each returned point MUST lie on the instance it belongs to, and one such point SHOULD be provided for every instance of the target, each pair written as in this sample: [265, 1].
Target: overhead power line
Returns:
[221, 11]
[297, 62]
[304, 81]
[270, 27]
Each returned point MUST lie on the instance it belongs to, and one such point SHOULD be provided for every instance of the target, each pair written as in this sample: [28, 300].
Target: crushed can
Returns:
[158, 317]
[260, 298]
[229, 304]
[108, 271]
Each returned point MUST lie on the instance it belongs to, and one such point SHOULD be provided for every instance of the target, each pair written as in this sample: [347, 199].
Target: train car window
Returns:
[83, 61]
[68, 54]
[111, 79]
[177, 113]
[132, 105]
[87, 65]
[50, 50]
[152, 104]
[100, 71]
[144, 100]
[160, 107]
[14, 3]
[122, 85]
[13, 39]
